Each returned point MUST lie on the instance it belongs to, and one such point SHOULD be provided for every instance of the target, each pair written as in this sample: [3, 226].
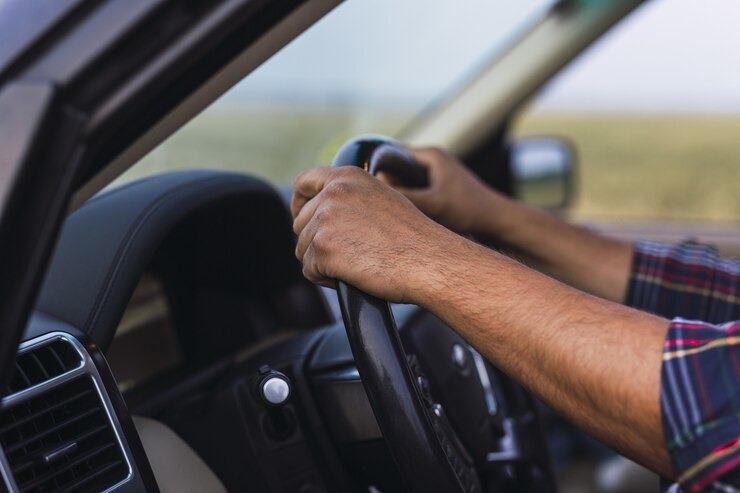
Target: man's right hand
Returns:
[455, 198]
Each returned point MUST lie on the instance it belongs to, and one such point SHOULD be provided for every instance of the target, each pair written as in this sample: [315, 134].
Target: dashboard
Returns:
[151, 285]
[168, 306]
[145, 346]
[62, 428]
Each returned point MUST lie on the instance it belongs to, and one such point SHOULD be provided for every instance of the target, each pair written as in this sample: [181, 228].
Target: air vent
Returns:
[42, 363]
[62, 441]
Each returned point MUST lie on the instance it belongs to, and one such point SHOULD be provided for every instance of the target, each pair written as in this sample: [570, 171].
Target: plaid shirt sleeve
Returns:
[700, 381]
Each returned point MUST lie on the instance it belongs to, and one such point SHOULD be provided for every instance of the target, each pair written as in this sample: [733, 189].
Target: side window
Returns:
[367, 67]
[653, 111]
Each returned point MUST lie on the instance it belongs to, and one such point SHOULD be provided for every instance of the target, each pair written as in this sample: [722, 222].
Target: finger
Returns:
[328, 283]
[296, 204]
[387, 178]
[305, 214]
[311, 269]
[307, 185]
[425, 156]
[305, 239]
[421, 156]
[434, 160]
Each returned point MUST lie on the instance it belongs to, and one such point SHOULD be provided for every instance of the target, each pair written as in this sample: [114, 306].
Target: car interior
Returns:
[173, 343]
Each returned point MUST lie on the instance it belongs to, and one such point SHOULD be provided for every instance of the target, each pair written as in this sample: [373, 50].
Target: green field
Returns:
[631, 167]
[274, 142]
[651, 167]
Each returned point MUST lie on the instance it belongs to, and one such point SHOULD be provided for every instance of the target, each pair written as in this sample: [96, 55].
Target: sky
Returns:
[670, 55]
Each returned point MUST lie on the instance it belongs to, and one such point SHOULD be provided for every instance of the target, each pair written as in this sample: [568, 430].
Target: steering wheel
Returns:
[427, 451]
[425, 448]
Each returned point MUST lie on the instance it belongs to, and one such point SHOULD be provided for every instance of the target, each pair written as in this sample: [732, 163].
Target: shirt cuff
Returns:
[676, 280]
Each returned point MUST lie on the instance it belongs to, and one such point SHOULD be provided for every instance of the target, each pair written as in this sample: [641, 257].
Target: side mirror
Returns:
[542, 171]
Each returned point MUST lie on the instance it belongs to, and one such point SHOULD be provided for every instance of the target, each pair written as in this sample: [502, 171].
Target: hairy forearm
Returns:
[572, 254]
[595, 362]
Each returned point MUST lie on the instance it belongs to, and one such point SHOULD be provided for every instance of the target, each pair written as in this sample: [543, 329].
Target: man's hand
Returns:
[352, 227]
[455, 198]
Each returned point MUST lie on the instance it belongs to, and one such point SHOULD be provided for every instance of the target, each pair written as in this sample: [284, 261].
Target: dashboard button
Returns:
[274, 388]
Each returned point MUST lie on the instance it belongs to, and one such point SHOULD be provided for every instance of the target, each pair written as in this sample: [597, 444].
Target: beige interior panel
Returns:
[482, 105]
[177, 468]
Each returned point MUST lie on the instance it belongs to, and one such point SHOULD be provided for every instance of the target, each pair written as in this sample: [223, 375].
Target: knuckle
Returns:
[339, 189]
[320, 242]
[308, 261]
[311, 269]
[432, 150]
[349, 171]
[299, 179]
[322, 215]
[438, 153]
[308, 273]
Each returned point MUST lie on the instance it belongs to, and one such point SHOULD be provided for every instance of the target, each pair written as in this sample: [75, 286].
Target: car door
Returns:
[87, 83]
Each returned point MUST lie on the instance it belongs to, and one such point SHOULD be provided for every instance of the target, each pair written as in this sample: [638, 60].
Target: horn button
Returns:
[449, 366]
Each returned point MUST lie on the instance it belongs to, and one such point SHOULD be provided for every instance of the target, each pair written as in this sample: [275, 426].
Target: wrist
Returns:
[495, 217]
[443, 264]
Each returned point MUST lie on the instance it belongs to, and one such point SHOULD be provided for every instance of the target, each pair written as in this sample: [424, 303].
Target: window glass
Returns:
[370, 66]
[653, 110]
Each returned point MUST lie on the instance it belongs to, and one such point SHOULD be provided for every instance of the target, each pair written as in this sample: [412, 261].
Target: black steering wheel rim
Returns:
[426, 451]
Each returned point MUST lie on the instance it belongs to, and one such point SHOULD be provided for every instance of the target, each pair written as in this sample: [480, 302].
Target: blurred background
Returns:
[653, 108]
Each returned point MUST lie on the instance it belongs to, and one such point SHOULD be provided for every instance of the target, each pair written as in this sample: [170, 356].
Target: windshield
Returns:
[367, 67]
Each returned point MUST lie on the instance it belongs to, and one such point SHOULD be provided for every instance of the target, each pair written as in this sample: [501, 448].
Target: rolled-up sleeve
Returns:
[700, 402]
[700, 381]
[688, 280]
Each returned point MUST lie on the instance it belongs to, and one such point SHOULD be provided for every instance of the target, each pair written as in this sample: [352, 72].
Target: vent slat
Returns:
[59, 438]
[91, 432]
[43, 363]
[79, 460]
[21, 374]
[55, 357]
[49, 431]
[19, 469]
[40, 413]
[91, 476]
[40, 366]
